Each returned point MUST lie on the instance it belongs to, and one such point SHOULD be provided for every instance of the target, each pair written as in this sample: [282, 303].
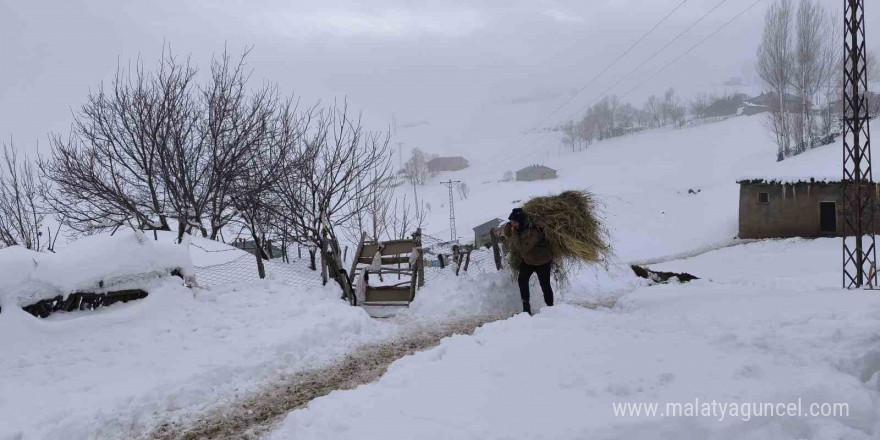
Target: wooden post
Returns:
[356, 257]
[420, 261]
[496, 252]
[299, 252]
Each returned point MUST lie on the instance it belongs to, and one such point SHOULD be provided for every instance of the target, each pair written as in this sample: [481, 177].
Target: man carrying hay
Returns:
[561, 231]
[533, 253]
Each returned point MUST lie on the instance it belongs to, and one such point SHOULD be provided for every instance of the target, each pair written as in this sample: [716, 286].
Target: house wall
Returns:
[440, 164]
[792, 210]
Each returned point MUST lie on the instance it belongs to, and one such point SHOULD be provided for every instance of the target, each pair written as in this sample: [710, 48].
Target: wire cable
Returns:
[661, 70]
[613, 63]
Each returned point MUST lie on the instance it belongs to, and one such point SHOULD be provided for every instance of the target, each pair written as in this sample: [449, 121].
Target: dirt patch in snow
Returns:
[256, 415]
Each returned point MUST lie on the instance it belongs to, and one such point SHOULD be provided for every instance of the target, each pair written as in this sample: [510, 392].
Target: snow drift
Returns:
[93, 264]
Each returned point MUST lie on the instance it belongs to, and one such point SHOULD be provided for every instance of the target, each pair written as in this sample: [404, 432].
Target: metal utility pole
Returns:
[450, 184]
[860, 254]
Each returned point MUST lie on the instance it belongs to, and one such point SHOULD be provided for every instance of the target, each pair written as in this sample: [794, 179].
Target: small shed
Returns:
[801, 196]
[535, 172]
[769, 209]
[440, 164]
[481, 232]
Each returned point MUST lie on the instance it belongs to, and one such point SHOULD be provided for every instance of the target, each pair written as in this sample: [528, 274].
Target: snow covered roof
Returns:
[86, 264]
[820, 165]
[536, 168]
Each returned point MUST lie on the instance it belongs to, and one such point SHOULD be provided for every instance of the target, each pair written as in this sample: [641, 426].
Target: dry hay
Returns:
[572, 223]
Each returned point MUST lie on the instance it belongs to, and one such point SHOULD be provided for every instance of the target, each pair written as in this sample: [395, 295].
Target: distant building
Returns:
[481, 232]
[725, 106]
[770, 101]
[535, 172]
[440, 164]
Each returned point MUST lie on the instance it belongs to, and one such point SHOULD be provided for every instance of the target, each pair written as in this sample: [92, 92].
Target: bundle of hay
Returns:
[572, 224]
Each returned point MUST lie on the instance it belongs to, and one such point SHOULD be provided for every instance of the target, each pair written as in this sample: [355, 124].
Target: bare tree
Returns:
[653, 106]
[700, 104]
[416, 168]
[369, 211]
[21, 208]
[463, 191]
[341, 164]
[107, 172]
[404, 218]
[810, 67]
[774, 69]
[256, 203]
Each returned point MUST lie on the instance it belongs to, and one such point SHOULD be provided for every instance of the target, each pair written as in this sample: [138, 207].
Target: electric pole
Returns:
[450, 184]
[859, 253]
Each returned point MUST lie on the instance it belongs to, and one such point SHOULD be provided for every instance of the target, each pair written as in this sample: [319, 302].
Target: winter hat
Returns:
[518, 215]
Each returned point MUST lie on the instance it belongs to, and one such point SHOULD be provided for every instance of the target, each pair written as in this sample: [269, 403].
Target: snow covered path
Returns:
[259, 411]
[744, 339]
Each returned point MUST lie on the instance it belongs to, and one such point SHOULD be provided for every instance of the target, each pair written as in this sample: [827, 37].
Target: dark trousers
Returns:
[525, 272]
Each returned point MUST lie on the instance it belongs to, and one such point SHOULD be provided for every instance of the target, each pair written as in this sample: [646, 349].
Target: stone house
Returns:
[806, 208]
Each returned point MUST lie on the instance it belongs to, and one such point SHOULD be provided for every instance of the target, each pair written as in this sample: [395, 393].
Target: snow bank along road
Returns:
[748, 332]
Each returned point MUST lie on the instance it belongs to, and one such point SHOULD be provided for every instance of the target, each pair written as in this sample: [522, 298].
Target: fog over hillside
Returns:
[452, 74]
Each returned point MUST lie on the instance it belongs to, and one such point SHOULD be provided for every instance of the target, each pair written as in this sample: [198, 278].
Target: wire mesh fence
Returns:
[244, 269]
[298, 273]
[482, 261]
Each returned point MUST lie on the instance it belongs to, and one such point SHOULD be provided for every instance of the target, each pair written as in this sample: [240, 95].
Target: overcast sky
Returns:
[452, 72]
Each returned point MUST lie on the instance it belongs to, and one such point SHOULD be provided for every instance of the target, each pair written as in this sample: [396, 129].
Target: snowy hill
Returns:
[644, 180]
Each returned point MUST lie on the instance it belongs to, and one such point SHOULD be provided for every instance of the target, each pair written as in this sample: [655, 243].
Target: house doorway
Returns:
[828, 217]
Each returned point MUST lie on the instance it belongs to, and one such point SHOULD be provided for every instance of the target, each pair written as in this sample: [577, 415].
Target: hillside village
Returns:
[208, 256]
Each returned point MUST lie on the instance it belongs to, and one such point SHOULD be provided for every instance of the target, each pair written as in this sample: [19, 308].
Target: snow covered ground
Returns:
[122, 370]
[119, 370]
[767, 322]
[752, 332]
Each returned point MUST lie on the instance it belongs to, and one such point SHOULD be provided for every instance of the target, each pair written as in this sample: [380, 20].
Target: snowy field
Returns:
[750, 332]
[643, 180]
[766, 322]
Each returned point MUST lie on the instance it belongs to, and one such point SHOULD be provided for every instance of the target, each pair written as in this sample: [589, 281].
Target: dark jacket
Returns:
[531, 245]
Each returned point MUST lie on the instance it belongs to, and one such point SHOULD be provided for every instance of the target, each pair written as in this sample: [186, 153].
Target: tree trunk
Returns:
[324, 261]
[261, 270]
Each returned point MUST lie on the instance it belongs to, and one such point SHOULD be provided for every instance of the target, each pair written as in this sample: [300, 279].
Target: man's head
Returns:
[517, 218]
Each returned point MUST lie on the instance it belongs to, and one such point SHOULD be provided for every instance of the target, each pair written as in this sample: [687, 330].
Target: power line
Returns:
[662, 69]
[699, 43]
[613, 63]
[649, 59]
